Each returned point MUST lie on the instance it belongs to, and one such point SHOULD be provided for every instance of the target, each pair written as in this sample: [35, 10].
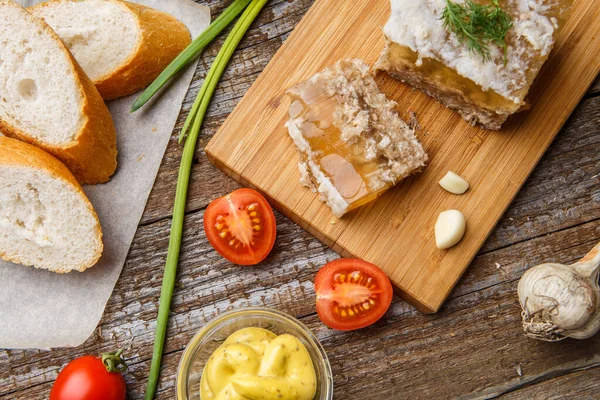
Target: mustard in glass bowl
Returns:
[215, 350]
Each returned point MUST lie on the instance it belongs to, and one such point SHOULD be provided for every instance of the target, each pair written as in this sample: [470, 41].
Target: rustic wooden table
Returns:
[472, 348]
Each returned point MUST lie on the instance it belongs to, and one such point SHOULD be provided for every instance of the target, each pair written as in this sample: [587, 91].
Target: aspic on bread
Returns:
[47, 100]
[46, 220]
[121, 46]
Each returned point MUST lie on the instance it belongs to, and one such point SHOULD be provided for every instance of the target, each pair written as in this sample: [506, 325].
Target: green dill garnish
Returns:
[478, 25]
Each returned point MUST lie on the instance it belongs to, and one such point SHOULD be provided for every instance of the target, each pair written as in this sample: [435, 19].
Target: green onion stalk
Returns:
[191, 51]
[194, 120]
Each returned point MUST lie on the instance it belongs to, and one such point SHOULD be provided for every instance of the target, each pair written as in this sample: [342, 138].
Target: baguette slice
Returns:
[47, 100]
[121, 46]
[45, 218]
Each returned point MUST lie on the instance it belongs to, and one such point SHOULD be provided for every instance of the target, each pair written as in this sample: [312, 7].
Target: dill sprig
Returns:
[478, 26]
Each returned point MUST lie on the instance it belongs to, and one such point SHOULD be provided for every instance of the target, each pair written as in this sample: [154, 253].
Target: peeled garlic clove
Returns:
[561, 301]
[454, 183]
[449, 229]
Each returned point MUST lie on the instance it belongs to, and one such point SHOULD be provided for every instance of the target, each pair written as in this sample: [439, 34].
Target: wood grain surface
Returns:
[253, 147]
[472, 349]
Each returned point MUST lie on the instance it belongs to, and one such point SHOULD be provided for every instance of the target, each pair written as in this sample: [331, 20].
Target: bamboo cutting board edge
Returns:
[312, 216]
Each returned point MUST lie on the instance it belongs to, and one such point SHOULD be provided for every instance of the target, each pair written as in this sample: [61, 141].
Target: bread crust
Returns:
[92, 155]
[162, 38]
[16, 153]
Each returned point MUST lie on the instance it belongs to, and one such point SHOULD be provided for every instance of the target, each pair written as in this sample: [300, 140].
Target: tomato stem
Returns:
[113, 361]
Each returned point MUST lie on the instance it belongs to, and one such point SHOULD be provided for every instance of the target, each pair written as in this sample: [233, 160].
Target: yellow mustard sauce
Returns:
[254, 363]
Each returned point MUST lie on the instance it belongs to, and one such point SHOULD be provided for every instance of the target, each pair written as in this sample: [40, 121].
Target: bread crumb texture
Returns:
[46, 220]
[89, 29]
[122, 46]
[38, 90]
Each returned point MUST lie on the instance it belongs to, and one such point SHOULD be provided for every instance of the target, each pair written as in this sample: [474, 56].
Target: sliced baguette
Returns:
[47, 100]
[45, 218]
[120, 45]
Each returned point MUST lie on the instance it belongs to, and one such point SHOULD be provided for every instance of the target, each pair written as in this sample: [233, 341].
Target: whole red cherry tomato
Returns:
[91, 378]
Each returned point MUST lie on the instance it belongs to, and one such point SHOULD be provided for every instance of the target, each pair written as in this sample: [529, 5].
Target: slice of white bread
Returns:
[47, 100]
[45, 218]
[121, 46]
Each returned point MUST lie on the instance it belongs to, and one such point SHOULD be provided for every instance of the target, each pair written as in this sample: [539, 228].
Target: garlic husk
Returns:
[561, 301]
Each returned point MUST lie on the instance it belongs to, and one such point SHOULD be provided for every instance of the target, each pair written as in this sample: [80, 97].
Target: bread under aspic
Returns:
[46, 220]
[121, 46]
[47, 100]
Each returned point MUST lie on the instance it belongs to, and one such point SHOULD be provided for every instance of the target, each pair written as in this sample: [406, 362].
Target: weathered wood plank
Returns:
[579, 385]
[564, 189]
[130, 319]
[471, 348]
[561, 196]
[211, 285]
[595, 88]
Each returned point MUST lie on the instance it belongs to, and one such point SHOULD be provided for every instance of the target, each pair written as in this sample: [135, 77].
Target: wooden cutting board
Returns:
[396, 231]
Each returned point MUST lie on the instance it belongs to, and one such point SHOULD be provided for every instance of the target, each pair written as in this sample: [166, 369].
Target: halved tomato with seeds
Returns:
[241, 226]
[351, 294]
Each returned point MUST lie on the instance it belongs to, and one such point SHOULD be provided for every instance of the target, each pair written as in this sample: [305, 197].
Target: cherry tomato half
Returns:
[87, 378]
[241, 226]
[351, 294]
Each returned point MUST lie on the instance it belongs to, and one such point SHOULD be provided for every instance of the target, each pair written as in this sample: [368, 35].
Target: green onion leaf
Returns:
[191, 51]
[198, 111]
[201, 103]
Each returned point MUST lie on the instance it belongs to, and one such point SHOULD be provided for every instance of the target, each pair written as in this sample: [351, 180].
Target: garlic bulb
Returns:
[561, 301]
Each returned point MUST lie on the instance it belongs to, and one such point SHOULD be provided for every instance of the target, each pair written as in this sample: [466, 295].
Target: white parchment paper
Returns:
[40, 309]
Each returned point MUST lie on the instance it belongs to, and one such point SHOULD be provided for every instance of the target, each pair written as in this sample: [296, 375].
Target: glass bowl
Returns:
[214, 333]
